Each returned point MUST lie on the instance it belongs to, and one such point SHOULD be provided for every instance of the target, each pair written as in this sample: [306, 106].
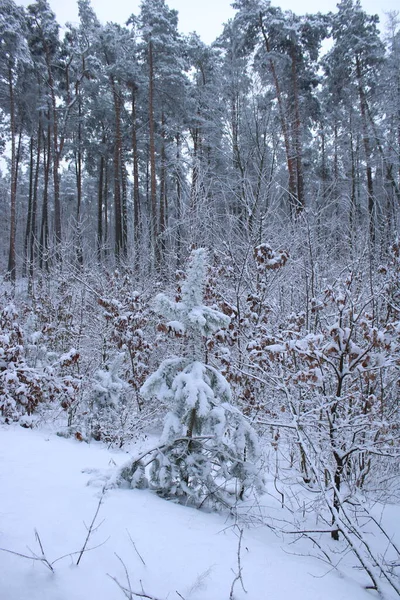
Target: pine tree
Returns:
[207, 450]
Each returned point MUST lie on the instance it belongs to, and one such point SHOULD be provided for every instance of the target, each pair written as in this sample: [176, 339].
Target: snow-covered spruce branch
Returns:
[132, 463]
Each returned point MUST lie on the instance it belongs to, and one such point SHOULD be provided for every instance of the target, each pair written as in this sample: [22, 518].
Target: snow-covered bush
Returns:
[126, 314]
[31, 375]
[108, 405]
[207, 452]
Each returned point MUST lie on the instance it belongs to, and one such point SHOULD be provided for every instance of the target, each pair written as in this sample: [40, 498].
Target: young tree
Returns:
[207, 451]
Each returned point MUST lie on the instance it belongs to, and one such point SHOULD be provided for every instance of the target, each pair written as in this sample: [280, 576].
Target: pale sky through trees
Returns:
[203, 16]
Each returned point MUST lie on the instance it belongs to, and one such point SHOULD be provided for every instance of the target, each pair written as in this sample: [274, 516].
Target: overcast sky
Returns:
[204, 16]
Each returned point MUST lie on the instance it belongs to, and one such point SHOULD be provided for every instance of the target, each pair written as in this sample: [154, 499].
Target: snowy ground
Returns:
[187, 553]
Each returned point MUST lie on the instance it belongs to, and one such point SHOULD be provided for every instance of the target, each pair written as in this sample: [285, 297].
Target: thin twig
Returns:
[31, 557]
[136, 550]
[126, 573]
[239, 563]
[126, 591]
[79, 551]
[90, 530]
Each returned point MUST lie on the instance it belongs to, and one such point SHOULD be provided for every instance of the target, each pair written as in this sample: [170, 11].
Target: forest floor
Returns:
[169, 551]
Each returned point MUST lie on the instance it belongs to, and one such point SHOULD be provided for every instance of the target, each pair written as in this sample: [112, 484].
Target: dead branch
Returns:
[91, 526]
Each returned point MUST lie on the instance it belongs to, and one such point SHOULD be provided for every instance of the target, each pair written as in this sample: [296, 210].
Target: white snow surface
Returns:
[187, 553]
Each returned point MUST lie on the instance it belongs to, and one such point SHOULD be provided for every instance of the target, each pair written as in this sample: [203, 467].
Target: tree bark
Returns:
[293, 197]
[11, 269]
[152, 151]
[117, 171]
[367, 150]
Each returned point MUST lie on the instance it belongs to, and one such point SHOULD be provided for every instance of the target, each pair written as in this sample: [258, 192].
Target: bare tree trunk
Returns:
[293, 195]
[195, 170]
[56, 157]
[106, 186]
[136, 194]
[25, 266]
[78, 165]
[163, 195]
[117, 171]
[178, 200]
[367, 149]
[152, 151]
[124, 207]
[11, 269]
[297, 137]
[33, 232]
[100, 205]
[44, 228]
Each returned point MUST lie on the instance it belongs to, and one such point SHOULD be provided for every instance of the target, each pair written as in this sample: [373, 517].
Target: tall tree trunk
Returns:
[33, 232]
[78, 166]
[194, 188]
[11, 270]
[100, 205]
[178, 200]
[237, 162]
[25, 267]
[297, 136]
[44, 227]
[290, 159]
[163, 196]
[367, 150]
[136, 194]
[106, 186]
[353, 206]
[152, 150]
[56, 157]
[117, 171]
[124, 207]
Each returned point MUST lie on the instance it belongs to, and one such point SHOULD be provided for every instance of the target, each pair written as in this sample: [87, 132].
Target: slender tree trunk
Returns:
[367, 150]
[100, 205]
[117, 171]
[163, 196]
[25, 267]
[44, 228]
[136, 194]
[124, 207]
[291, 165]
[353, 206]
[237, 161]
[56, 157]
[33, 232]
[13, 191]
[194, 188]
[106, 186]
[152, 150]
[78, 163]
[297, 136]
[178, 200]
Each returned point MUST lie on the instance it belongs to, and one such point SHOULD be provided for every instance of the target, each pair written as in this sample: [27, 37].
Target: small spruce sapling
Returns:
[106, 403]
[207, 451]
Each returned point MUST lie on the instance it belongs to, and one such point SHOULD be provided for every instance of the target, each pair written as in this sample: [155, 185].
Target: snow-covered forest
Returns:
[200, 267]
